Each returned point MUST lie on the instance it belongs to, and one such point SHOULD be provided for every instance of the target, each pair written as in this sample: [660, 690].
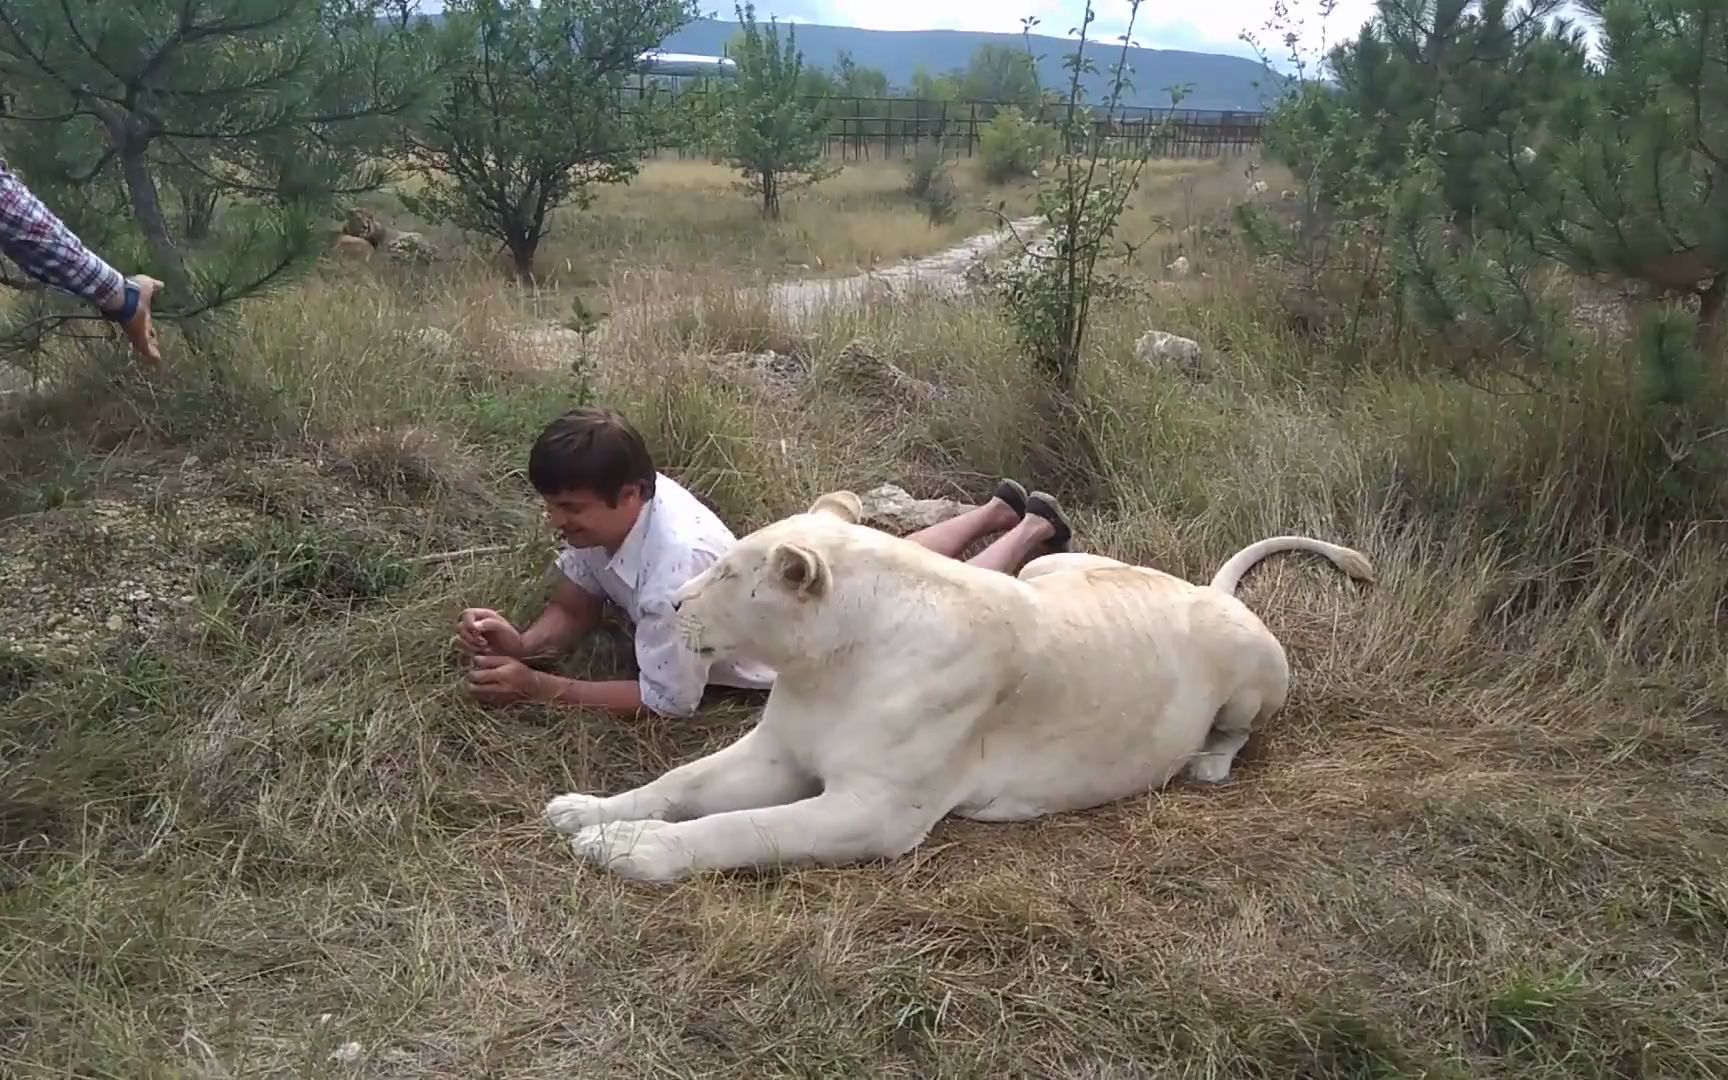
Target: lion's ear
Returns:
[801, 570]
[841, 504]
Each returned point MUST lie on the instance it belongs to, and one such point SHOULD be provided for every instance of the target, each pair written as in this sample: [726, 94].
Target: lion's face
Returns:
[770, 598]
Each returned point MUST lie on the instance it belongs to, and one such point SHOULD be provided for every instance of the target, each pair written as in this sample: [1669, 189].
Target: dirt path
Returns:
[943, 273]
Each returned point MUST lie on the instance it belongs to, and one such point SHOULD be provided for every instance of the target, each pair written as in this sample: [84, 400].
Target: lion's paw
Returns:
[568, 813]
[1209, 768]
[643, 850]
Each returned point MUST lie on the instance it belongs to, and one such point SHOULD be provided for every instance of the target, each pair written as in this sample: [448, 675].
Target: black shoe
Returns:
[1044, 505]
[1014, 495]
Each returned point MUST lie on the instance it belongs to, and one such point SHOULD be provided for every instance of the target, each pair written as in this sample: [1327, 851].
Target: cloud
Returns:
[1215, 25]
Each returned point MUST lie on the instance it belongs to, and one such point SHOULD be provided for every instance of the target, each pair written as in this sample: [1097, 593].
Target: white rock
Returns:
[434, 339]
[890, 508]
[1158, 347]
[773, 370]
[411, 247]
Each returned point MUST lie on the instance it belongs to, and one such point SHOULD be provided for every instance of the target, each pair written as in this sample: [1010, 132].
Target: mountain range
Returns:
[1217, 81]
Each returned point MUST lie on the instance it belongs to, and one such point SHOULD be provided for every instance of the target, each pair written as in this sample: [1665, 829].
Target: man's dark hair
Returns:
[590, 449]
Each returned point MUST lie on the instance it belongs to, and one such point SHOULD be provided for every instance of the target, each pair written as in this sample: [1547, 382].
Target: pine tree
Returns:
[268, 108]
[773, 137]
[1410, 156]
[1633, 178]
[538, 116]
[1449, 81]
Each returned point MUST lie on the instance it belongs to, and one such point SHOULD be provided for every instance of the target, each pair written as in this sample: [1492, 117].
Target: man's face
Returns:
[584, 519]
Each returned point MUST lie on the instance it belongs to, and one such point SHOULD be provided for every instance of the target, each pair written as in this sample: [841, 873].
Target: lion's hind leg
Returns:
[1230, 731]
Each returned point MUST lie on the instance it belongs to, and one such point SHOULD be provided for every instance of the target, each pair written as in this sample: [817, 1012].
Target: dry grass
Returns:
[686, 217]
[1486, 838]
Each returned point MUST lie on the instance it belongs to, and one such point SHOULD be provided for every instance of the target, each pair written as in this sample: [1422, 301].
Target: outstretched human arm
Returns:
[32, 236]
[671, 682]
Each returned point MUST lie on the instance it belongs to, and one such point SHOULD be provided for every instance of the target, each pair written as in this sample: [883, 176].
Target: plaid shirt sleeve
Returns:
[43, 247]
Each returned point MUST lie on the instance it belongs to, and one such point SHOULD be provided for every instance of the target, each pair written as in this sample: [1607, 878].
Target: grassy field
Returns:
[689, 217]
[249, 826]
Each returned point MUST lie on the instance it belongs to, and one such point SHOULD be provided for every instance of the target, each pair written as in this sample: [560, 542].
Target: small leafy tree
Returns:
[1012, 146]
[1050, 292]
[270, 107]
[1002, 75]
[536, 119]
[930, 183]
[773, 137]
[928, 87]
[852, 80]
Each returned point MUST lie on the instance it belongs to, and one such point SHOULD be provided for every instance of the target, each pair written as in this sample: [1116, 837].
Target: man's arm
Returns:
[43, 247]
[570, 612]
[35, 238]
[671, 680]
[614, 695]
[574, 611]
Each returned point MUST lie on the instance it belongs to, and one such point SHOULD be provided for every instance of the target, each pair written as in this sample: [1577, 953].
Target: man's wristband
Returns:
[130, 308]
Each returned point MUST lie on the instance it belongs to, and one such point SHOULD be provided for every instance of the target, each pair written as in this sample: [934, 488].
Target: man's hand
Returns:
[503, 680]
[140, 329]
[482, 631]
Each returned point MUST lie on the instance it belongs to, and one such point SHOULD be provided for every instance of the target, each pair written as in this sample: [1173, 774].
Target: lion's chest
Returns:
[890, 731]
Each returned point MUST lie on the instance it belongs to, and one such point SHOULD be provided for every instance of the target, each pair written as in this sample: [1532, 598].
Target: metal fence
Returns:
[864, 129]
[891, 128]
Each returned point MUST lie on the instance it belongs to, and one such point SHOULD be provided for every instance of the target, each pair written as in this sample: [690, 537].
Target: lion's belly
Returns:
[1121, 689]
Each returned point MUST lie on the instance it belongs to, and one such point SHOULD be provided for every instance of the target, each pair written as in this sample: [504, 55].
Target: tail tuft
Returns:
[1356, 565]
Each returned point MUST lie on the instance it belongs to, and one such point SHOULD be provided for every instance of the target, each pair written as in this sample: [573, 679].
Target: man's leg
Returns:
[1004, 510]
[1043, 527]
[1015, 548]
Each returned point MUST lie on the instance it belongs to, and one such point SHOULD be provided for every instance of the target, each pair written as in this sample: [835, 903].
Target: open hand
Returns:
[504, 680]
[140, 329]
[482, 631]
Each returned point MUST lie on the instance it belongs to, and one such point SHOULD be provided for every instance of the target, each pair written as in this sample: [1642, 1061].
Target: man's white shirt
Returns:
[674, 539]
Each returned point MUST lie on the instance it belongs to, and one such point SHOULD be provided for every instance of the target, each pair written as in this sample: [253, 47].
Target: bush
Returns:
[1012, 147]
[926, 170]
[930, 182]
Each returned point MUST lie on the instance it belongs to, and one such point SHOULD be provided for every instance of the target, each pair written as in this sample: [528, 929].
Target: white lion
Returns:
[911, 686]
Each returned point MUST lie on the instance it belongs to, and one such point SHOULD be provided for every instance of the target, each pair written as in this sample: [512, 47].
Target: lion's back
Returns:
[1124, 669]
[1112, 628]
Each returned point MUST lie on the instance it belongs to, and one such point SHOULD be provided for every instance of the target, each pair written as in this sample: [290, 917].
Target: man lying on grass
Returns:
[633, 536]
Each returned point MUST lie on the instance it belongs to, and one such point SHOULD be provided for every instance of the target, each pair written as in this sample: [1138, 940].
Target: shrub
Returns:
[1012, 146]
[930, 183]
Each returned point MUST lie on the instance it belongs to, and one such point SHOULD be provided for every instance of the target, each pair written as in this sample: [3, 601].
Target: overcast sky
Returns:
[1201, 25]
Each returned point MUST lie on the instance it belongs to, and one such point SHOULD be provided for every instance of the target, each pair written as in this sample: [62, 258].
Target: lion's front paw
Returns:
[643, 850]
[568, 813]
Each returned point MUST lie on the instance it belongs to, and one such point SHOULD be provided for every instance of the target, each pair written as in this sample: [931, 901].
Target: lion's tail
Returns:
[1231, 573]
